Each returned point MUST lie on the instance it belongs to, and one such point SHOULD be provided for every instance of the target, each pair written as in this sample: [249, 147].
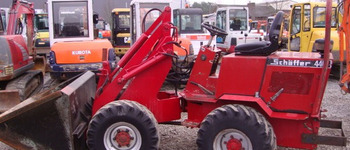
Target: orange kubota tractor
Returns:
[73, 47]
[251, 100]
[17, 80]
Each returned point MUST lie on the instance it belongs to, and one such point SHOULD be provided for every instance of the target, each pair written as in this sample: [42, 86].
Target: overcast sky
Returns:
[242, 2]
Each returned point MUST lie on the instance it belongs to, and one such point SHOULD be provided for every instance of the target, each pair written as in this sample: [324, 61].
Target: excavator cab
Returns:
[73, 47]
[70, 20]
[121, 30]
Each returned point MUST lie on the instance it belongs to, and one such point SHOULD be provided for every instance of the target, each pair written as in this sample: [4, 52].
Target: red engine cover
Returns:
[298, 74]
[17, 55]
[240, 75]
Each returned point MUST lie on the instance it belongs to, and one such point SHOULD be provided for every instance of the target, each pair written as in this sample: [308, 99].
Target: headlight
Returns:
[8, 70]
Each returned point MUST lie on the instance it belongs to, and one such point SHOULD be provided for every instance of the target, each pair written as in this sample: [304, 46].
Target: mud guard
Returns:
[54, 119]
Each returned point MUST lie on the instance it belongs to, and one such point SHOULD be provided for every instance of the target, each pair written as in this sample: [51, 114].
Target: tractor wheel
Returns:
[123, 125]
[273, 141]
[234, 127]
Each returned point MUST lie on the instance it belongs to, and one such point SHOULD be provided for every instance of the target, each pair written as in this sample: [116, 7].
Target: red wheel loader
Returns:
[255, 98]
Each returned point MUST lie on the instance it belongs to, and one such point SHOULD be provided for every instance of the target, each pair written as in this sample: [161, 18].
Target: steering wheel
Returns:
[213, 29]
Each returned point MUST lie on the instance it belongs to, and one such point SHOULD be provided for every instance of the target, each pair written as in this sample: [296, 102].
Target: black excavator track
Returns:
[27, 84]
[20, 88]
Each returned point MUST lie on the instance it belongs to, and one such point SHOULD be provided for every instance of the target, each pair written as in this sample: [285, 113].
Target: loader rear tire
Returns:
[123, 125]
[236, 127]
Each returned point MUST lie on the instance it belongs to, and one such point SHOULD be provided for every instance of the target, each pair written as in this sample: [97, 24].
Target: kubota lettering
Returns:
[82, 52]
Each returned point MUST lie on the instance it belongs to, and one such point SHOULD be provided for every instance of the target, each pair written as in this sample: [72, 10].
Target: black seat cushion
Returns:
[263, 48]
[252, 46]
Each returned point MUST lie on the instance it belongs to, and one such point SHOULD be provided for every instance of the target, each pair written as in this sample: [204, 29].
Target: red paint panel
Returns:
[240, 75]
[202, 73]
[198, 111]
[300, 86]
[19, 51]
[289, 132]
[291, 82]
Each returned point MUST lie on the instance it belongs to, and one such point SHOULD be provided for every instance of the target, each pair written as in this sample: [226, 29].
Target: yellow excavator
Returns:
[307, 24]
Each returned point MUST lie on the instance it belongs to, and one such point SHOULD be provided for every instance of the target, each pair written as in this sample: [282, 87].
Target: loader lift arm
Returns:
[143, 69]
[153, 47]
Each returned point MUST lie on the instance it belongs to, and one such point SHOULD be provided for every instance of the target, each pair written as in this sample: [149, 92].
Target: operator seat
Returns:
[263, 48]
[71, 26]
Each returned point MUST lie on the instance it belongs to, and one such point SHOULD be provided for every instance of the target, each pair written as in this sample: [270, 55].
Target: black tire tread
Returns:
[239, 115]
[123, 108]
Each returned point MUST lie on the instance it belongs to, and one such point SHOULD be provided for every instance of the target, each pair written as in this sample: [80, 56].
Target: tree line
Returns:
[207, 7]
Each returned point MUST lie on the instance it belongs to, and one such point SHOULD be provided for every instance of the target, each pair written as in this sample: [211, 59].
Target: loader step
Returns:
[339, 140]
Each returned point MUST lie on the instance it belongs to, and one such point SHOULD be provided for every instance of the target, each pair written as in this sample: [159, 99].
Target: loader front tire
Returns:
[124, 125]
[236, 127]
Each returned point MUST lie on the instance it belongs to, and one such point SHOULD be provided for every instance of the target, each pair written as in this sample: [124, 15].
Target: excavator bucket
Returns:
[54, 119]
[40, 63]
[8, 99]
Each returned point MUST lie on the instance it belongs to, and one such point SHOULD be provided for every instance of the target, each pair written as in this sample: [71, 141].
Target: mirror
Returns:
[95, 18]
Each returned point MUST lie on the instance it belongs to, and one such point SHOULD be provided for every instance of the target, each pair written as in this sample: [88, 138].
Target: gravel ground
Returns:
[182, 138]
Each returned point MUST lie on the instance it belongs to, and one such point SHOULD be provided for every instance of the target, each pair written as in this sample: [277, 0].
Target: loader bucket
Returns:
[8, 99]
[54, 119]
